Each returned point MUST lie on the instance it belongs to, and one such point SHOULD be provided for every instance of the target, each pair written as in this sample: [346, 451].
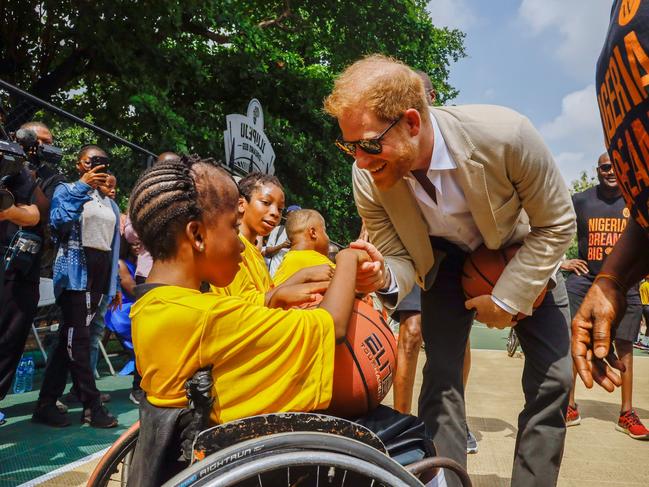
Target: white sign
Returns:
[247, 148]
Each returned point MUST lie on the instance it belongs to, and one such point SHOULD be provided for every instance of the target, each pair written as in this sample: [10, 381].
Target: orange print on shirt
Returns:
[628, 10]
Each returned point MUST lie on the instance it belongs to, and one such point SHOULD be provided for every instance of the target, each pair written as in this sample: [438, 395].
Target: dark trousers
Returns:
[17, 310]
[72, 352]
[547, 376]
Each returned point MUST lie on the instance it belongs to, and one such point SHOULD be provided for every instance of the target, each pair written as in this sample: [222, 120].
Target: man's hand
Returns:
[577, 266]
[95, 177]
[592, 354]
[288, 296]
[490, 313]
[116, 303]
[371, 275]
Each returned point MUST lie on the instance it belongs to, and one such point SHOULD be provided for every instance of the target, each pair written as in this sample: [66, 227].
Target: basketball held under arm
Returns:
[543, 195]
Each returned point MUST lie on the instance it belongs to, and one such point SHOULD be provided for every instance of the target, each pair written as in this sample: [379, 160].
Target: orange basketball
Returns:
[483, 268]
[364, 364]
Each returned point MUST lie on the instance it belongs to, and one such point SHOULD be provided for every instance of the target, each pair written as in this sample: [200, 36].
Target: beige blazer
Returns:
[513, 189]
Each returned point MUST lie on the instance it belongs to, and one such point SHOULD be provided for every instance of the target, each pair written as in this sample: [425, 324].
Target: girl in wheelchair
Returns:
[263, 360]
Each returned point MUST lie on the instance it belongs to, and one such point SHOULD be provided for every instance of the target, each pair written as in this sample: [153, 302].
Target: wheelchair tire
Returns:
[512, 342]
[116, 460]
[311, 445]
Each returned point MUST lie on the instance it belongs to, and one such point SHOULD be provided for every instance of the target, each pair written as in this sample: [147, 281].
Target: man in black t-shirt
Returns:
[602, 216]
[17, 299]
[623, 100]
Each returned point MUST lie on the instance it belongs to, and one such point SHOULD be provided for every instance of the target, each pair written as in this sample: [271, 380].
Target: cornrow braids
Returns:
[169, 195]
[254, 181]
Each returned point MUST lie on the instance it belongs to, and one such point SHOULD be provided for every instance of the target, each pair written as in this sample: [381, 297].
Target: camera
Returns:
[12, 160]
[37, 154]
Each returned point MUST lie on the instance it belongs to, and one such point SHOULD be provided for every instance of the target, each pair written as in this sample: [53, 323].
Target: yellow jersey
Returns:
[264, 360]
[253, 279]
[294, 260]
[644, 293]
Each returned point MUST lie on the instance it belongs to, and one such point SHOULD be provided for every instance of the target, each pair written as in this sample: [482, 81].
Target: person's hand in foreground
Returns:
[578, 266]
[592, 351]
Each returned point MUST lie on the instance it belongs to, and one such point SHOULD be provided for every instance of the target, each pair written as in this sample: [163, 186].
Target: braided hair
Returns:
[254, 181]
[165, 198]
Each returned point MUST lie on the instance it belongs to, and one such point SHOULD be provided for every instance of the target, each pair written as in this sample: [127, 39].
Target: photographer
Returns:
[85, 224]
[18, 300]
[43, 159]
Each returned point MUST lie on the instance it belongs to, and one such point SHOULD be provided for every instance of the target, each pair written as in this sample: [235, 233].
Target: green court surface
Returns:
[29, 451]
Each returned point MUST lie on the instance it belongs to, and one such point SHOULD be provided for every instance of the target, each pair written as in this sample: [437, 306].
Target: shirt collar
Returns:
[441, 159]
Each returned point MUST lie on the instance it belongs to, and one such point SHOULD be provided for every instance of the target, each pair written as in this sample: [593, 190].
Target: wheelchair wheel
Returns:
[113, 467]
[302, 459]
[512, 342]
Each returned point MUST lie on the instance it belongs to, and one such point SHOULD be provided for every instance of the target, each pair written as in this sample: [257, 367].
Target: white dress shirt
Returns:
[450, 217]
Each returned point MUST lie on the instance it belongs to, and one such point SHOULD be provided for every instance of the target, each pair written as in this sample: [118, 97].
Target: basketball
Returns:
[364, 364]
[483, 268]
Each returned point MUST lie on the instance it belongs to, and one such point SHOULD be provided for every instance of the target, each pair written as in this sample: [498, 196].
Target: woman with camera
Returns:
[85, 225]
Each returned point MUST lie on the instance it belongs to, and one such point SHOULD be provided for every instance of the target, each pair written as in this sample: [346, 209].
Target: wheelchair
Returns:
[292, 449]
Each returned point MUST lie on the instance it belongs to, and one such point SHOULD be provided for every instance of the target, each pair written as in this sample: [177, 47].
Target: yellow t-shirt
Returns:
[253, 279]
[264, 360]
[294, 260]
[644, 293]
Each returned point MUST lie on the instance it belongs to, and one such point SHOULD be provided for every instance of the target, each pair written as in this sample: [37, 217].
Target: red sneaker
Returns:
[630, 424]
[572, 416]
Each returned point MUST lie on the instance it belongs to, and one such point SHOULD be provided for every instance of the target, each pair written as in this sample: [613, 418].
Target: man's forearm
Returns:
[22, 215]
[629, 261]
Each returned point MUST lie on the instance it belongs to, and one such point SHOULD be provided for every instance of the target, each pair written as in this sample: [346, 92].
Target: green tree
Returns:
[166, 73]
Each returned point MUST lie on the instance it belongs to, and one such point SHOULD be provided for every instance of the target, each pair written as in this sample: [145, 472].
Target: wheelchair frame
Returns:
[269, 452]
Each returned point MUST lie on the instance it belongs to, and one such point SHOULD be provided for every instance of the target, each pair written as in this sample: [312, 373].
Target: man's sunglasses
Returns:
[371, 146]
[605, 167]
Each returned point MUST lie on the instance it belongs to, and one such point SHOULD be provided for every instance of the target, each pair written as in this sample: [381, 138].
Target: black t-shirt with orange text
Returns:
[600, 222]
[622, 94]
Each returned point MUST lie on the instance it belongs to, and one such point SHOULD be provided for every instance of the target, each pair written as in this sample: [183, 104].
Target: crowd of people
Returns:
[237, 282]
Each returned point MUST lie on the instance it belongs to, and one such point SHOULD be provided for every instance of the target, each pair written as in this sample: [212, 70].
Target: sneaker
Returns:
[641, 345]
[572, 416]
[2, 418]
[71, 397]
[50, 415]
[471, 442]
[61, 407]
[98, 417]
[136, 396]
[630, 424]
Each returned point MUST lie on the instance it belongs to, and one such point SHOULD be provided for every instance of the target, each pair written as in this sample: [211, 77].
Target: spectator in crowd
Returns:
[97, 325]
[277, 244]
[626, 130]
[644, 299]
[19, 284]
[85, 225]
[306, 230]
[602, 215]
[428, 181]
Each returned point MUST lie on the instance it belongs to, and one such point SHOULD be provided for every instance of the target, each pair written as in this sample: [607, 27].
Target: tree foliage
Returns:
[166, 73]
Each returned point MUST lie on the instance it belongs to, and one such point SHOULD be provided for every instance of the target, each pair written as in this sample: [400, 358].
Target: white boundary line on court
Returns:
[63, 469]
